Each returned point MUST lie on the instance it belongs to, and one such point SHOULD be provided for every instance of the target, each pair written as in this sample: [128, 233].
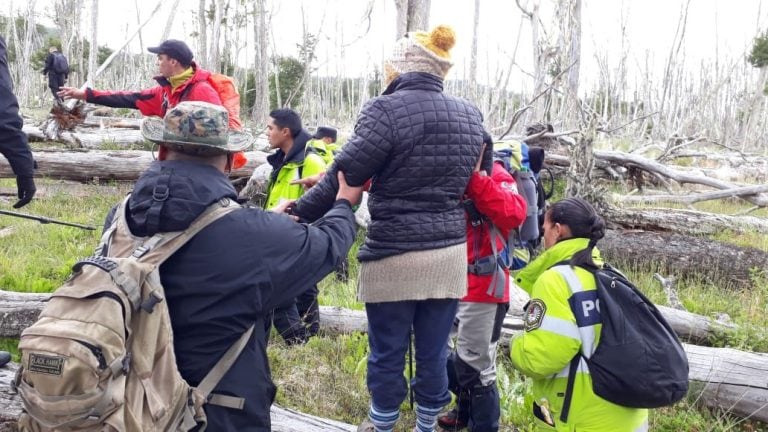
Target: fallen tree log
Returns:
[686, 256]
[19, 310]
[112, 122]
[103, 165]
[283, 420]
[694, 198]
[610, 163]
[627, 159]
[682, 221]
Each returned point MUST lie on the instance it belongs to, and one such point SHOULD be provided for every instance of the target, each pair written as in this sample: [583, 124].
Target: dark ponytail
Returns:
[584, 222]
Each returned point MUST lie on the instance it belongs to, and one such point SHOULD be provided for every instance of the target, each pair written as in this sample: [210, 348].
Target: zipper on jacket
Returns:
[97, 352]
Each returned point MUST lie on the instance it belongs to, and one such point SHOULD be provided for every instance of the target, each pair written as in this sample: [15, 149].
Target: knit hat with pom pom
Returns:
[422, 52]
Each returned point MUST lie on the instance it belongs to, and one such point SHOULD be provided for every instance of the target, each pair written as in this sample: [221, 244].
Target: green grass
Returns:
[37, 257]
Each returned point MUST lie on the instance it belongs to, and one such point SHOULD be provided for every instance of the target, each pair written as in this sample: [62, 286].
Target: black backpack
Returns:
[60, 64]
[639, 361]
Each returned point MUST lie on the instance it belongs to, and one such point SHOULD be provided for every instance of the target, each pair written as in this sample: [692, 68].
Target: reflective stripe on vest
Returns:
[560, 327]
[587, 332]
[643, 427]
[583, 368]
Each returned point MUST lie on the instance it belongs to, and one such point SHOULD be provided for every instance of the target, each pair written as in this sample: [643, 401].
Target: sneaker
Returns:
[450, 421]
[366, 426]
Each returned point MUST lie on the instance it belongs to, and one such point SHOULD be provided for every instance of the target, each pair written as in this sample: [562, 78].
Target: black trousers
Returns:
[299, 319]
[55, 81]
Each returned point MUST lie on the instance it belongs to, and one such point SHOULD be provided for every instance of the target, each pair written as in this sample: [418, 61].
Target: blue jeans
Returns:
[389, 326]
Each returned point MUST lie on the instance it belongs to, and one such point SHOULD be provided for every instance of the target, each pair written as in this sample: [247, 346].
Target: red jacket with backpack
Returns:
[156, 100]
[202, 86]
[496, 198]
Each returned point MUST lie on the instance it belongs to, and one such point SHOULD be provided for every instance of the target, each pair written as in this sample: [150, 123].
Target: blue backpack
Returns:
[514, 155]
[60, 64]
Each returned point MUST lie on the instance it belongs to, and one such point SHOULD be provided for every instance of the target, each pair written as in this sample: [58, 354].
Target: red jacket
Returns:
[497, 199]
[156, 100]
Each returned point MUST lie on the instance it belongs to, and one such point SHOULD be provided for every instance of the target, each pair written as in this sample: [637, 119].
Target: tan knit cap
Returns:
[422, 52]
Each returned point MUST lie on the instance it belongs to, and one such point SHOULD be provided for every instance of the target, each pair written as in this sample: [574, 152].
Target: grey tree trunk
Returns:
[214, 59]
[94, 51]
[412, 15]
[261, 64]
[473, 54]
[570, 26]
[169, 22]
[202, 35]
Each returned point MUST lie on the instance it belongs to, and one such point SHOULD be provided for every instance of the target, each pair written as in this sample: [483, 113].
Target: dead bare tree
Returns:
[569, 18]
[261, 63]
[202, 34]
[412, 15]
[213, 54]
[94, 50]
[169, 22]
[473, 54]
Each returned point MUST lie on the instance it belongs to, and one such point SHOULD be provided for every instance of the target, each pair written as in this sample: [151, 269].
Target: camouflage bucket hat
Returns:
[199, 128]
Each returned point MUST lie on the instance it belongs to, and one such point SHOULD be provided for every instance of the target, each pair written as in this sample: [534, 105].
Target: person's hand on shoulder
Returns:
[353, 194]
[71, 93]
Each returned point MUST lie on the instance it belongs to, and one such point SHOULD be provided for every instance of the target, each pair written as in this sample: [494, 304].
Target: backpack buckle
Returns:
[126, 363]
[161, 192]
[140, 251]
[148, 305]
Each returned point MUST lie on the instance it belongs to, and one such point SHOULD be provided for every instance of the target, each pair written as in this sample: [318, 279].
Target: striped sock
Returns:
[426, 418]
[383, 421]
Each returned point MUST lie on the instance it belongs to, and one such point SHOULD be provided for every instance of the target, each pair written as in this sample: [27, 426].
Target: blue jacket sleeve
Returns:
[297, 256]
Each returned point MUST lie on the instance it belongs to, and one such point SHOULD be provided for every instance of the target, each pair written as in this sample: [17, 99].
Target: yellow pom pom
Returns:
[443, 37]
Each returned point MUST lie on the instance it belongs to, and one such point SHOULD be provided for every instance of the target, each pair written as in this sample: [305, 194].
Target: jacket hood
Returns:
[415, 81]
[561, 251]
[296, 154]
[171, 194]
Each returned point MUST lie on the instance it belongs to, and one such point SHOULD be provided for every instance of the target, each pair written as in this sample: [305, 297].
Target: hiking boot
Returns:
[5, 357]
[366, 426]
[450, 421]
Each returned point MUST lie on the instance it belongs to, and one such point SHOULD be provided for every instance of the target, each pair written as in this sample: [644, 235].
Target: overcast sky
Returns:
[722, 28]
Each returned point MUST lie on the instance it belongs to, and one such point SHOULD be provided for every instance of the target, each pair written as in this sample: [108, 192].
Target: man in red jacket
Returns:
[180, 79]
[493, 209]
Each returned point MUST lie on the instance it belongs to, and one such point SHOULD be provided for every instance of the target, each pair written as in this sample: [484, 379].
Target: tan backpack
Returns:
[101, 358]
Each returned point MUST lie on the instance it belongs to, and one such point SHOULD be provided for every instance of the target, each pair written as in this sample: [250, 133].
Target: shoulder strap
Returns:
[586, 335]
[215, 375]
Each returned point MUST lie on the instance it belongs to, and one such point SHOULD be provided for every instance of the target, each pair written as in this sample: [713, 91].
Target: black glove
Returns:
[27, 189]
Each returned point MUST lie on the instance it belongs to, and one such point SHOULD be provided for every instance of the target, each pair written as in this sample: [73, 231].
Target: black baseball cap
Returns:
[174, 49]
[325, 131]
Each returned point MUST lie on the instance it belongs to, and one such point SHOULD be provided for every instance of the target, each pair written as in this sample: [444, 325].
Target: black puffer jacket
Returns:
[419, 146]
[230, 276]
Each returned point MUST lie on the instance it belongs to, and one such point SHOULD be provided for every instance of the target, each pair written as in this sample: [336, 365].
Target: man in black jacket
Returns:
[236, 270]
[13, 142]
[56, 76]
